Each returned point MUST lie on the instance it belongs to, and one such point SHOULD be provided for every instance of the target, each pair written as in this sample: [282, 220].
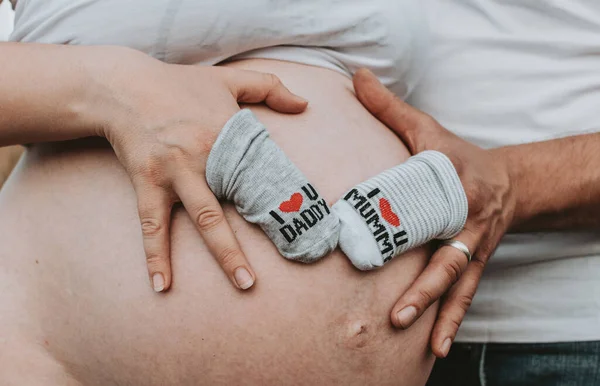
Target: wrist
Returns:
[517, 180]
[51, 92]
[105, 78]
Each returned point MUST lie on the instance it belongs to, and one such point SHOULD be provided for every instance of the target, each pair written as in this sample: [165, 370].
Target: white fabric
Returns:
[6, 20]
[387, 36]
[509, 72]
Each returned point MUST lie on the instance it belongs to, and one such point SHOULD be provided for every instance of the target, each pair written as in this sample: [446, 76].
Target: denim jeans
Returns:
[539, 364]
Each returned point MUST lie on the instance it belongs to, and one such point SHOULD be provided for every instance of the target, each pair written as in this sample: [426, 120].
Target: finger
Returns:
[444, 269]
[402, 118]
[154, 206]
[256, 87]
[207, 214]
[455, 306]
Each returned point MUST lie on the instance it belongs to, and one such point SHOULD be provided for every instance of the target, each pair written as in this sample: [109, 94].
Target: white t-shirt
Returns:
[508, 72]
[387, 36]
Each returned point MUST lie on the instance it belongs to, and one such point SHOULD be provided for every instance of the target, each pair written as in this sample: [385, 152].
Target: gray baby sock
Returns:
[246, 167]
[402, 208]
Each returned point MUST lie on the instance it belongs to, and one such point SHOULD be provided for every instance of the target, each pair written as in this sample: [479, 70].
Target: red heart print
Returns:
[388, 214]
[293, 204]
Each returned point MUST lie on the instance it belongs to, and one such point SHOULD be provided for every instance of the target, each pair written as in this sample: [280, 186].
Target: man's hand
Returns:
[487, 182]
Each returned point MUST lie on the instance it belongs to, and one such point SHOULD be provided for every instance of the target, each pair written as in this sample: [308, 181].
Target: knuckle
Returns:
[425, 297]
[490, 210]
[454, 321]
[150, 171]
[151, 227]
[484, 252]
[464, 302]
[154, 259]
[471, 231]
[229, 257]
[208, 217]
[477, 261]
[173, 153]
[452, 269]
[173, 146]
[473, 190]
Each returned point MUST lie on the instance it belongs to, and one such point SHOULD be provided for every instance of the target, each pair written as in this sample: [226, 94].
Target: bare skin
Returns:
[74, 292]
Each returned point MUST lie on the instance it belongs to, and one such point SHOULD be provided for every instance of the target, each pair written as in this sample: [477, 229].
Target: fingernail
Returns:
[158, 282]
[446, 347]
[406, 316]
[243, 278]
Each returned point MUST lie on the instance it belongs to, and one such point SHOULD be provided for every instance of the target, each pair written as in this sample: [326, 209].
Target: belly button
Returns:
[358, 334]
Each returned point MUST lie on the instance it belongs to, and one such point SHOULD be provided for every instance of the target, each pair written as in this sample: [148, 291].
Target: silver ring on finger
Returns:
[458, 245]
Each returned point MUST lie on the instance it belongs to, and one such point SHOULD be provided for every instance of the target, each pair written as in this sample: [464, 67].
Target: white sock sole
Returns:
[356, 239]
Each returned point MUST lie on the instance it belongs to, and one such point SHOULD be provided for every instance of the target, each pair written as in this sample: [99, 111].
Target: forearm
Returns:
[46, 92]
[557, 183]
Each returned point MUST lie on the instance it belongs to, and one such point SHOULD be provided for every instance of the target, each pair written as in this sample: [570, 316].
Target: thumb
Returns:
[402, 118]
[256, 87]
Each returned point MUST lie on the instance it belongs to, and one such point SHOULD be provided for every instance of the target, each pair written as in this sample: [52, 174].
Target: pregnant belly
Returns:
[73, 278]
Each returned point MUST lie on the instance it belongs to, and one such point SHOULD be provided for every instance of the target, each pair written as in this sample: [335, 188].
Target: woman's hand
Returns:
[162, 120]
[487, 183]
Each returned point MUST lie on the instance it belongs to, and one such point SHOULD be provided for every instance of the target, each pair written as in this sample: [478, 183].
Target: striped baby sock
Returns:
[246, 167]
[401, 208]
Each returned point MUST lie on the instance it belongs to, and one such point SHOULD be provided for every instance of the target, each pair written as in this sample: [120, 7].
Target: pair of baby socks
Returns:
[399, 209]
